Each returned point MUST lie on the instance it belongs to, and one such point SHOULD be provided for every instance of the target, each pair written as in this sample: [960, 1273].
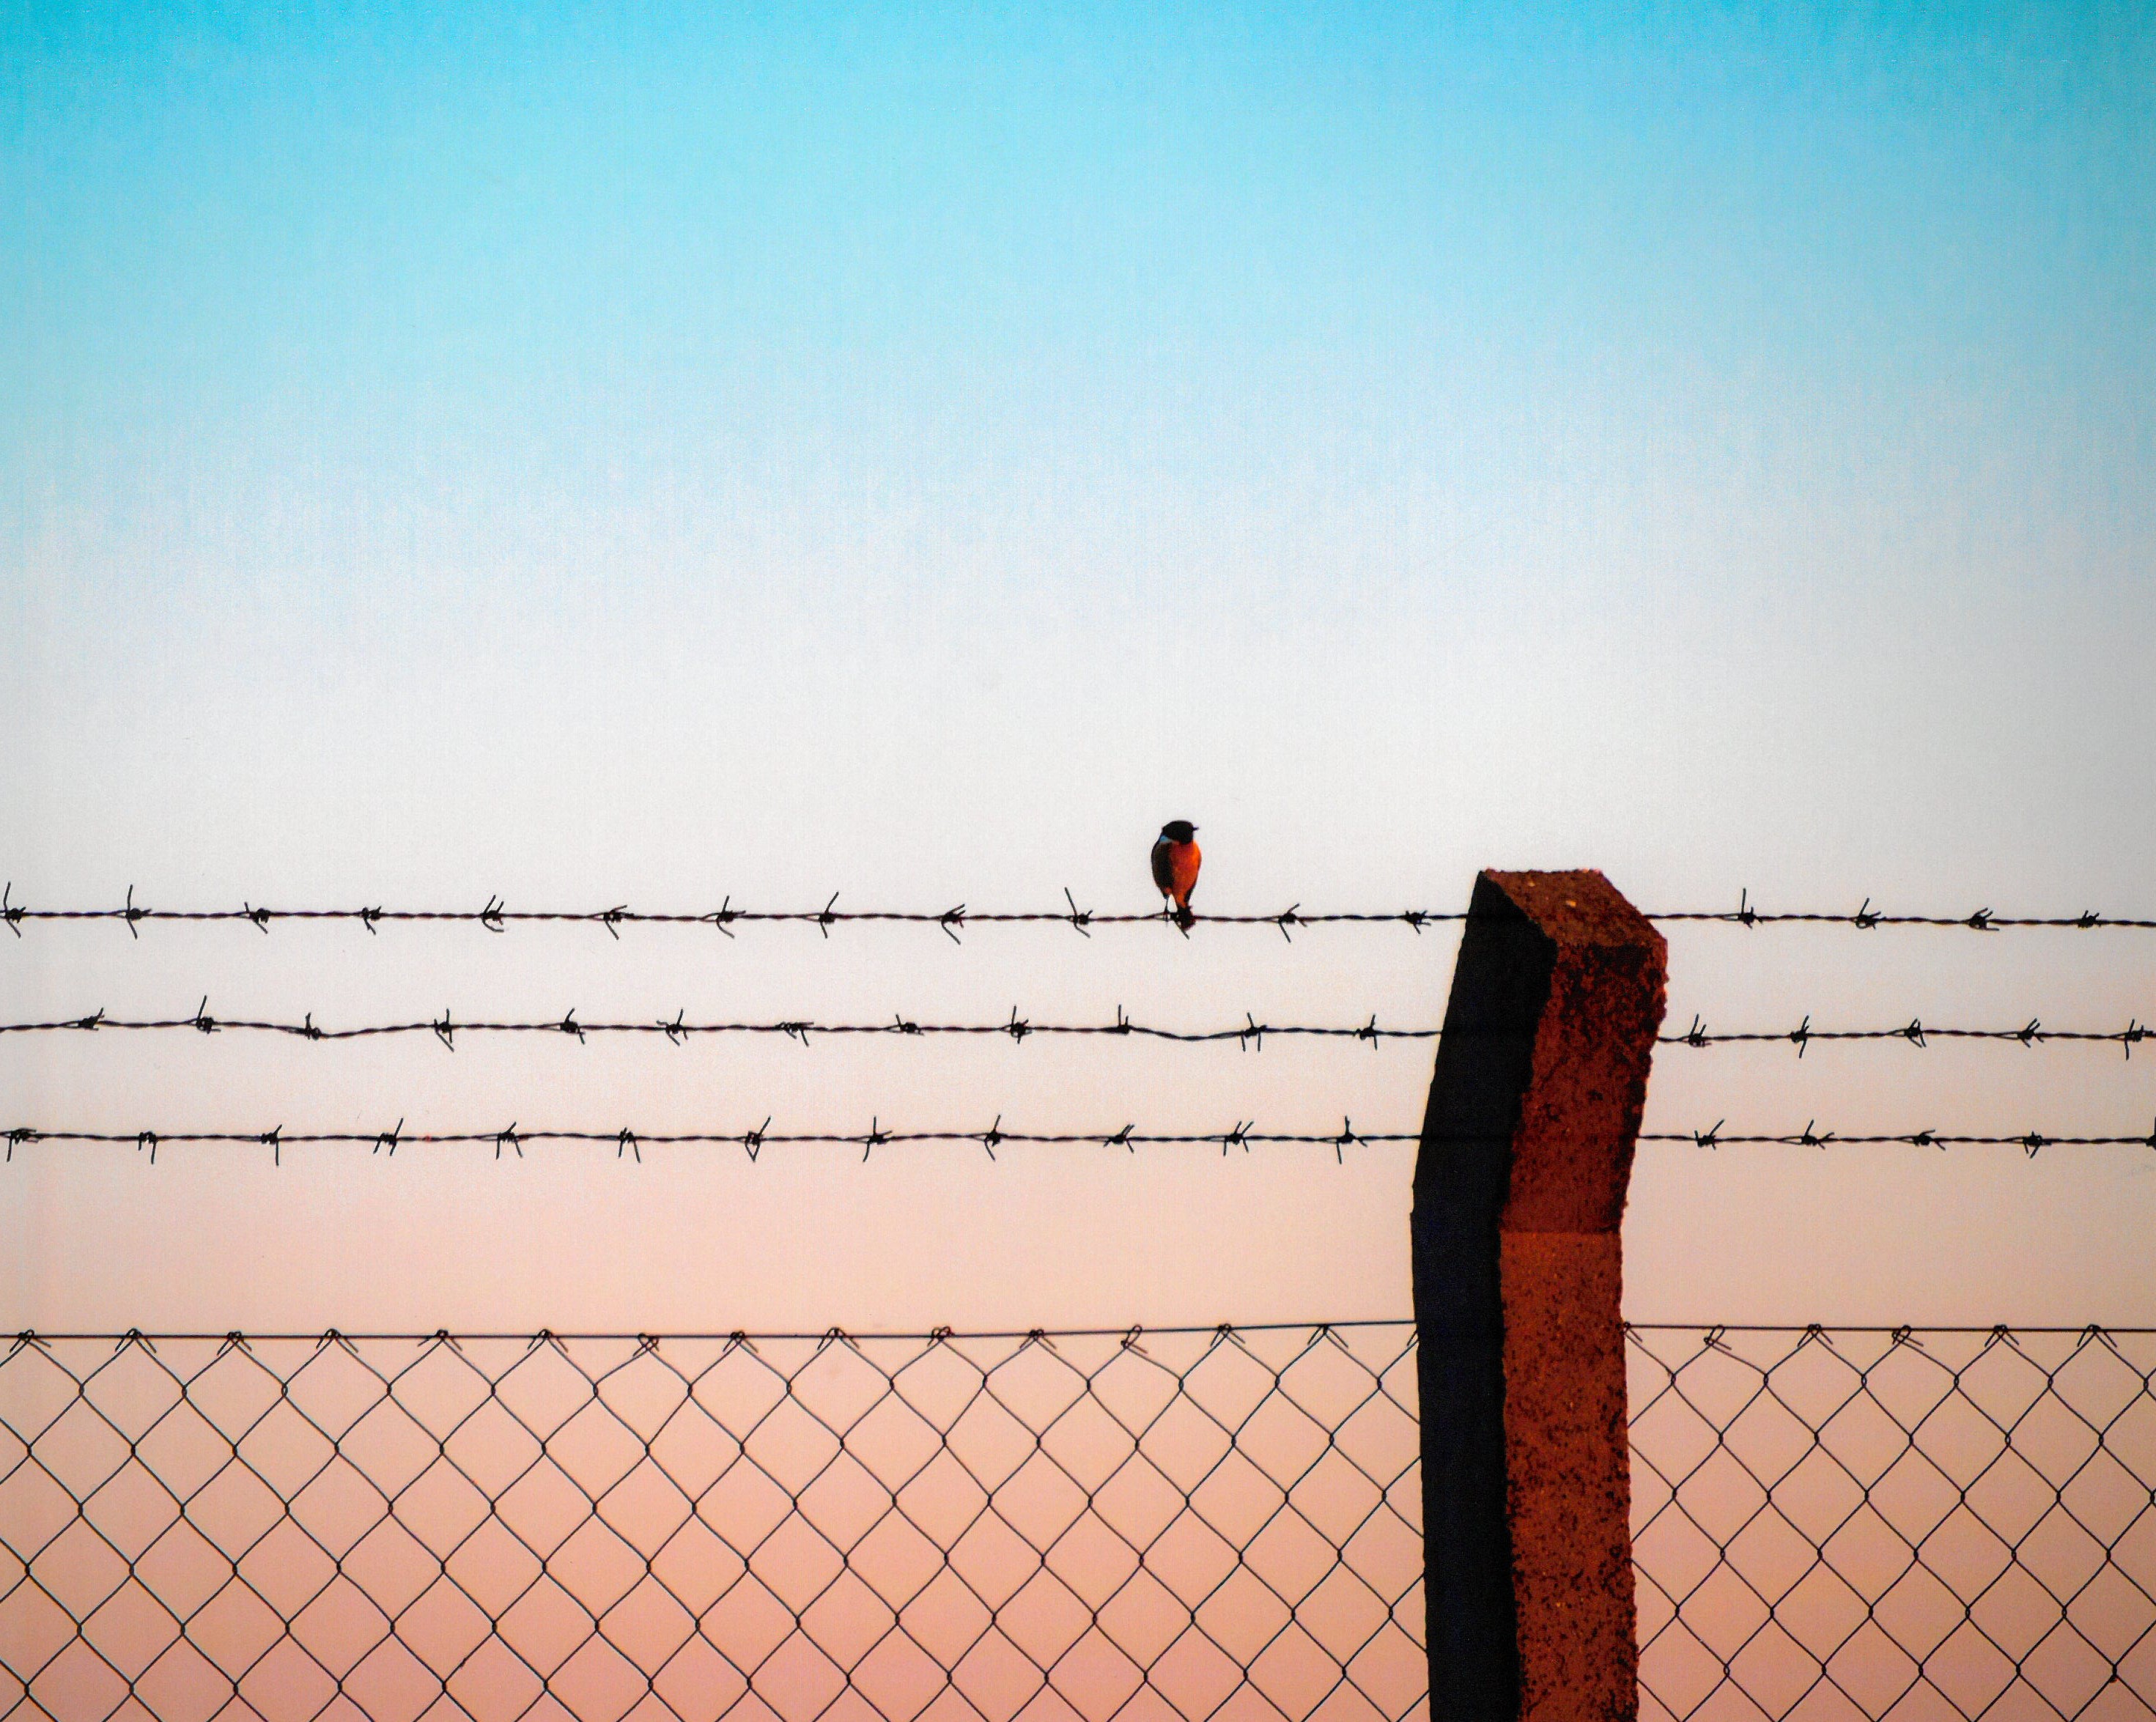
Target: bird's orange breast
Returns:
[1175, 869]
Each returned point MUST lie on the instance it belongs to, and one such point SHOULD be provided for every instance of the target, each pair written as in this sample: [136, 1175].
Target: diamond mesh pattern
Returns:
[1876, 1523]
[1207, 1524]
[1859, 1524]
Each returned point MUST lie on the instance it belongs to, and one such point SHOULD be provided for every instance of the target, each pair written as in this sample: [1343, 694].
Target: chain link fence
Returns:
[1195, 1524]
[1935, 1523]
[1185, 1524]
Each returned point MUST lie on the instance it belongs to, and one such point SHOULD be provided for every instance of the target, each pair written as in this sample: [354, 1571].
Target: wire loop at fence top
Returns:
[497, 916]
[1250, 1033]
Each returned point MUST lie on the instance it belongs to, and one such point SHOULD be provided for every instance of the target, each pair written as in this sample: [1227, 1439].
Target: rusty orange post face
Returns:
[1520, 1185]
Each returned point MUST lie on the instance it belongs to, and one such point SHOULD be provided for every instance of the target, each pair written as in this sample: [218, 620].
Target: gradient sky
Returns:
[638, 455]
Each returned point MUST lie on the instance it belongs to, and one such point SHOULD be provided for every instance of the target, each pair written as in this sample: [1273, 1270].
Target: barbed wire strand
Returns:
[1250, 1034]
[628, 1141]
[753, 1140]
[497, 916]
[445, 1028]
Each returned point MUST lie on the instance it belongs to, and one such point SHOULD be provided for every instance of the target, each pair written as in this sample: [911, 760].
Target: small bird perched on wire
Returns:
[1175, 859]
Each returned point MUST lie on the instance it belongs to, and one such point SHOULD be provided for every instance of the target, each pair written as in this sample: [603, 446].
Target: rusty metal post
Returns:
[1519, 1190]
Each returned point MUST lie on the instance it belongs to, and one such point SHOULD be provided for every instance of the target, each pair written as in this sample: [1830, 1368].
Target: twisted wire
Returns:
[497, 916]
[626, 1140]
[1250, 1033]
[445, 1028]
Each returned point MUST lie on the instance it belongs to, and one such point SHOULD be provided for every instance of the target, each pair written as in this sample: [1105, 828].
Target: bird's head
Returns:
[1178, 831]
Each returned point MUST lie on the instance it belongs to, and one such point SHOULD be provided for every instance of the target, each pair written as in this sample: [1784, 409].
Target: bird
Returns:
[1175, 859]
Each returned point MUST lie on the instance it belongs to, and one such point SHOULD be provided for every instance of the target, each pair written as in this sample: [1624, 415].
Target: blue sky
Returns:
[642, 454]
[638, 354]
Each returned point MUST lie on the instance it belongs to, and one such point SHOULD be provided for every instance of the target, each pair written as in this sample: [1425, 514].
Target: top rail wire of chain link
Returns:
[497, 916]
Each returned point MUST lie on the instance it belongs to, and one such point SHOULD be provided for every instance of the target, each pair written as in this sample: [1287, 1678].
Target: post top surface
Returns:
[1576, 907]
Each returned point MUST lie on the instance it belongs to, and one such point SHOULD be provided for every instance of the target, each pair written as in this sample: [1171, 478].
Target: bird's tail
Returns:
[1184, 917]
